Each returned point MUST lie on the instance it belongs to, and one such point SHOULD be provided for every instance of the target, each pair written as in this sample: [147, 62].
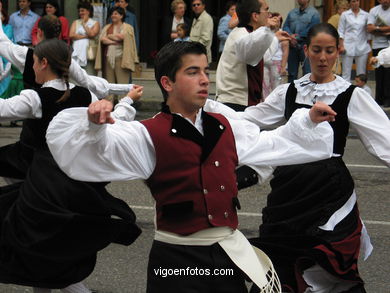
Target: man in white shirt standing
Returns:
[195, 190]
[379, 27]
[202, 26]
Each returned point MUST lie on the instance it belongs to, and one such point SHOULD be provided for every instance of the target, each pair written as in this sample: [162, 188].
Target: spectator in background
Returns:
[379, 27]
[52, 7]
[223, 26]
[117, 52]
[361, 81]
[182, 33]
[202, 26]
[169, 25]
[354, 39]
[5, 66]
[340, 7]
[22, 22]
[83, 33]
[130, 18]
[298, 22]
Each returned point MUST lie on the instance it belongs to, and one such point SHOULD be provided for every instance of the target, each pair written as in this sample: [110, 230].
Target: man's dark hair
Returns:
[169, 60]
[86, 5]
[50, 25]
[244, 9]
[203, 1]
[229, 4]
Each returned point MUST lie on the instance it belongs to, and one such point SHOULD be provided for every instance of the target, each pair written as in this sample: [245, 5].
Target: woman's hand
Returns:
[136, 92]
[321, 112]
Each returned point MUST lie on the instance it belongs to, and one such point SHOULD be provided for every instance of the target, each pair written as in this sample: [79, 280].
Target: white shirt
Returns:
[353, 30]
[376, 16]
[28, 104]
[125, 151]
[99, 86]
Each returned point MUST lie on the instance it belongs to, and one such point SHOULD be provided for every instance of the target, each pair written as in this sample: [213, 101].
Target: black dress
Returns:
[304, 197]
[51, 225]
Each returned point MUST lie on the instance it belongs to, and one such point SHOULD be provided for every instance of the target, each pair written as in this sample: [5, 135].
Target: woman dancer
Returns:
[311, 226]
[53, 226]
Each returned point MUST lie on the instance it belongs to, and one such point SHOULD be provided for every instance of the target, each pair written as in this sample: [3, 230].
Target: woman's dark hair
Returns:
[120, 10]
[5, 14]
[53, 3]
[244, 10]
[58, 55]
[169, 60]
[323, 28]
[50, 25]
[86, 5]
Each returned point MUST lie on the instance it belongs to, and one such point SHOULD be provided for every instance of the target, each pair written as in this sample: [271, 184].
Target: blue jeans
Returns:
[295, 57]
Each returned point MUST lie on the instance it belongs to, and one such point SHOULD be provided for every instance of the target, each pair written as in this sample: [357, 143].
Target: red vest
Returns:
[194, 181]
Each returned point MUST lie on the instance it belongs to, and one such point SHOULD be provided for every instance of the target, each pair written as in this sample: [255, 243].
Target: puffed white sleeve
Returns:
[23, 106]
[14, 53]
[266, 115]
[109, 152]
[384, 57]
[251, 48]
[371, 124]
[99, 86]
[124, 110]
[298, 141]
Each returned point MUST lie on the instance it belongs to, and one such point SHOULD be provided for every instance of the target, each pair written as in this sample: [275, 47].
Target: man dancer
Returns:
[195, 192]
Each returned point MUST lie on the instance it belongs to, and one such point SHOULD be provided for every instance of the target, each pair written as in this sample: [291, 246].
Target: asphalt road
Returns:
[122, 269]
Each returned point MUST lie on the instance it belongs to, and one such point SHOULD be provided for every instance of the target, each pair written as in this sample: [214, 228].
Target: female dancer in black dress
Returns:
[53, 226]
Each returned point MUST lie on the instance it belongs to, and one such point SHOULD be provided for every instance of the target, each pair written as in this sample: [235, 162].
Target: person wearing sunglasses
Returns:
[202, 26]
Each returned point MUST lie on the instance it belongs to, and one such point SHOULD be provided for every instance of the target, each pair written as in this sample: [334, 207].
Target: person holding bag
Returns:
[83, 33]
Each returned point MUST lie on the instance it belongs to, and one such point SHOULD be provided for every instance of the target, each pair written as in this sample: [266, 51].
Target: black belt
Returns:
[24, 44]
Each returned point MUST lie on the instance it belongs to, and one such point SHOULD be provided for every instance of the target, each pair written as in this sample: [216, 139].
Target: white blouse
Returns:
[352, 29]
[365, 116]
[125, 151]
[28, 104]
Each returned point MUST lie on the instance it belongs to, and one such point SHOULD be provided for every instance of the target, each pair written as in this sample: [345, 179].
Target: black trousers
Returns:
[382, 78]
[192, 269]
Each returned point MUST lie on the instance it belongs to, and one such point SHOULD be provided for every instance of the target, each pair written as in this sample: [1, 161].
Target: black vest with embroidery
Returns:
[340, 106]
[34, 130]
